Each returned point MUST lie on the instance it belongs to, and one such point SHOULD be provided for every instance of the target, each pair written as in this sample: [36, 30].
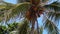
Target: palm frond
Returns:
[12, 11]
[6, 5]
[4, 10]
[53, 11]
[2, 6]
[41, 30]
[53, 6]
[51, 27]
[19, 10]
[23, 28]
[21, 7]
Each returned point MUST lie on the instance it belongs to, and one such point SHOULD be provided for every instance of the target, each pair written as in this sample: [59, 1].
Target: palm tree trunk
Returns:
[37, 28]
[32, 28]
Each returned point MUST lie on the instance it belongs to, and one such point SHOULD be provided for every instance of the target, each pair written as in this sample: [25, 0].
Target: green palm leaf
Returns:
[51, 27]
[12, 12]
[41, 30]
[20, 8]
[23, 28]
[4, 7]
[54, 11]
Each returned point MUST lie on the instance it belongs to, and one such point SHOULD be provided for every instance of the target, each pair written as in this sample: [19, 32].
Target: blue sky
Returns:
[39, 19]
[11, 1]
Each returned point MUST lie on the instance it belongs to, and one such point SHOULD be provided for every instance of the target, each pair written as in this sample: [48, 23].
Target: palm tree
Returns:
[31, 11]
[23, 28]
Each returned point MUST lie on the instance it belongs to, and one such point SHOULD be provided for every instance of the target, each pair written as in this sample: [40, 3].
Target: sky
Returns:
[11, 1]
[39, 19]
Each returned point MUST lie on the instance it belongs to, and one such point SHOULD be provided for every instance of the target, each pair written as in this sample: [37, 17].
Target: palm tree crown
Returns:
[31, 11]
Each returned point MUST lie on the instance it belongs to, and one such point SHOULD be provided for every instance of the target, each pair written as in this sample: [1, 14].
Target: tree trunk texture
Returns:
[37, 28]
[32, 28]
